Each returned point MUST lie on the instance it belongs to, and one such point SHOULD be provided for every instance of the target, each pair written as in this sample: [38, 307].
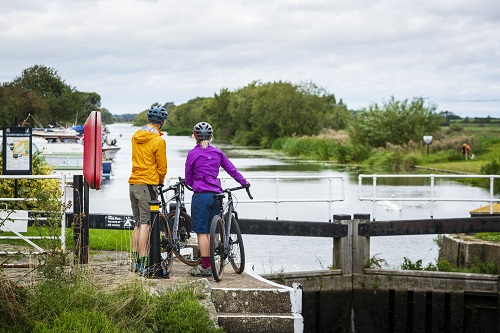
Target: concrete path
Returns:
[112, 267]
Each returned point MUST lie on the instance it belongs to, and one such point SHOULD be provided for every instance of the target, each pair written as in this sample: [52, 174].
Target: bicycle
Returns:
[175, 228]
[226, 243]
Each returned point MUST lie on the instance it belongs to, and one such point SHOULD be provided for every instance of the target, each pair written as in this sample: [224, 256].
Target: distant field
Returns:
[465, 167]
[491, 129]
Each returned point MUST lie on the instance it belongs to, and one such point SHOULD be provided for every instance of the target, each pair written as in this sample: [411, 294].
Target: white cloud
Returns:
[136, 52]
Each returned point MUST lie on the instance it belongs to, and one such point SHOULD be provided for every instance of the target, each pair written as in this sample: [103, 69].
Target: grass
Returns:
[99, 239]
[75, 303]
[489, 236]
[472, 167]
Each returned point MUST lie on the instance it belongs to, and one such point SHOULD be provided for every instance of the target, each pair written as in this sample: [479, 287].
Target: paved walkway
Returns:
[112, 268]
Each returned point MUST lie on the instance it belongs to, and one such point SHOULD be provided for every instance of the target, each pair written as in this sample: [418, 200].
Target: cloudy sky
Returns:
[137, 52]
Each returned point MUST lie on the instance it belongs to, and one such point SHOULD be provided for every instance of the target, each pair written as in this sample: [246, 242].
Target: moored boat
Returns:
[61, 148]
[109, 147]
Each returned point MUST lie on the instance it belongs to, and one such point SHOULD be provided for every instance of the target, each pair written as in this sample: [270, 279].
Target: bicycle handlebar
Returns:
[175, 186]
[247, 187]
[186, 185]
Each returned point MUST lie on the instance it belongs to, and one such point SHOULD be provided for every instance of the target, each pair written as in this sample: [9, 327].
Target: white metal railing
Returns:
[62, 181]
[432, 197]
[279, 198]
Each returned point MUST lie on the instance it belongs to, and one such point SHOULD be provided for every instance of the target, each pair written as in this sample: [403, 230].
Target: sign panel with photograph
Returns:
[16, 149]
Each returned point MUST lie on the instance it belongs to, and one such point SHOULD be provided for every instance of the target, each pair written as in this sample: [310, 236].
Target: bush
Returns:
[392, 161]
[492, 168]
[247, 138]
[320, 149]
[448, 155]
[417, 266]
[356, 153]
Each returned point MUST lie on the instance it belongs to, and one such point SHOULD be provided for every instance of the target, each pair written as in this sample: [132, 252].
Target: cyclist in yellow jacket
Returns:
[149, 167]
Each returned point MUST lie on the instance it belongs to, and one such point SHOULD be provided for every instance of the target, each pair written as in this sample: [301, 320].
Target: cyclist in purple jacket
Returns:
[202, 169]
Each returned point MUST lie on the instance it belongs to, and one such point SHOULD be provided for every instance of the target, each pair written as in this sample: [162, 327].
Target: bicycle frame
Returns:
[228, 208]
[179, 199]
[226, 243]
[179, 223]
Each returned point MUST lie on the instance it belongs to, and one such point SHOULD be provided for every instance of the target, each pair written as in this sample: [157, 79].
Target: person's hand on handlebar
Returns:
[248, 190]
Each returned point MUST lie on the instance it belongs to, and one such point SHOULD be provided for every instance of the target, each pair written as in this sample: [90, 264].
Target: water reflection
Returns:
[283, 253]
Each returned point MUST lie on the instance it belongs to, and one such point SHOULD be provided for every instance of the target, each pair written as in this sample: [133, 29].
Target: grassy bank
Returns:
[443, 155]
[100, 239]
[75, 303]
[69, 300]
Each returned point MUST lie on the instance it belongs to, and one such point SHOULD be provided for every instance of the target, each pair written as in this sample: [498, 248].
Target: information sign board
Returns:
[17, 151]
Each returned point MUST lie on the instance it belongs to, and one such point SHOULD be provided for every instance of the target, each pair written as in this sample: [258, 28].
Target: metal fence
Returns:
[281, 197]
[431, 199]
[11, 217]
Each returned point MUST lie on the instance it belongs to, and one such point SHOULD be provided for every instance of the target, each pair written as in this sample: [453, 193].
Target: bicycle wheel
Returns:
[185, 249]
[165, 245]
[217, 255]
[236, 249]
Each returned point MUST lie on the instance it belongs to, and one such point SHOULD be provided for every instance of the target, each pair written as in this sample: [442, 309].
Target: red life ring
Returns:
[92, 150]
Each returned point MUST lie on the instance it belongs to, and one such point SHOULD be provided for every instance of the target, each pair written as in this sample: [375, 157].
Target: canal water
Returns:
[274, 254]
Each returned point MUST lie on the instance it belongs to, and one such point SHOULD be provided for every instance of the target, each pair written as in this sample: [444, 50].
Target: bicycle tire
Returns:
[217, 255]
[181, 249]
[165, 245]
[236, 248]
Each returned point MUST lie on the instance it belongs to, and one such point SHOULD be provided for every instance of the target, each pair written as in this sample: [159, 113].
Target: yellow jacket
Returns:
[149, 157]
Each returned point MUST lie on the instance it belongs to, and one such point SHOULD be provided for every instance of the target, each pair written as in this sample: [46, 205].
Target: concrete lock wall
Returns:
[352, 297]
[397, 300]
[464, 251]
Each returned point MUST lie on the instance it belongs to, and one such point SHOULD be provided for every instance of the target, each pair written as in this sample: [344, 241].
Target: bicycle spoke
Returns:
[185, 247]
[165, 245]
[236, 249]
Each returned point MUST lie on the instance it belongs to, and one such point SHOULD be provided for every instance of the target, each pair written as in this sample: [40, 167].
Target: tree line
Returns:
[257, 114]
[39, 97]
[260, 113]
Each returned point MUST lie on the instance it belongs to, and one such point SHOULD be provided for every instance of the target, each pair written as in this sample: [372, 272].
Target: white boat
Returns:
[62, 149]
[109, 147]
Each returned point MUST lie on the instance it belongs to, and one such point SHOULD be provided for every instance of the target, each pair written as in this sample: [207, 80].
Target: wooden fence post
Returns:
[360, 245]
[342, 254]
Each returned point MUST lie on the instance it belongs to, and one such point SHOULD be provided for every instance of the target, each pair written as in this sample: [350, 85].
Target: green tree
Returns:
[396, 122]
[337, 116]
[282, 109]
[41, 96]
[106, 116]
[50, 88]
[85, 103]
[18, 102]
[218, 115]
[241, 107]
[186, 115]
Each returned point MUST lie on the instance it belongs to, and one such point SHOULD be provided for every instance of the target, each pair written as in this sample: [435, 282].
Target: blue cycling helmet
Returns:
[157, 114]
[202, 131]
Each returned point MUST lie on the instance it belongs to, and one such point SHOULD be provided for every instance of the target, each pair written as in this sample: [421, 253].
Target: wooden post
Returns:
[77, 217]
[84, 257]
[342, 254]
[360, 245]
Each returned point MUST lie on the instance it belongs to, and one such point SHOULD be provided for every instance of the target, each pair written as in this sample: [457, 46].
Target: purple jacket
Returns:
[202, 169]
